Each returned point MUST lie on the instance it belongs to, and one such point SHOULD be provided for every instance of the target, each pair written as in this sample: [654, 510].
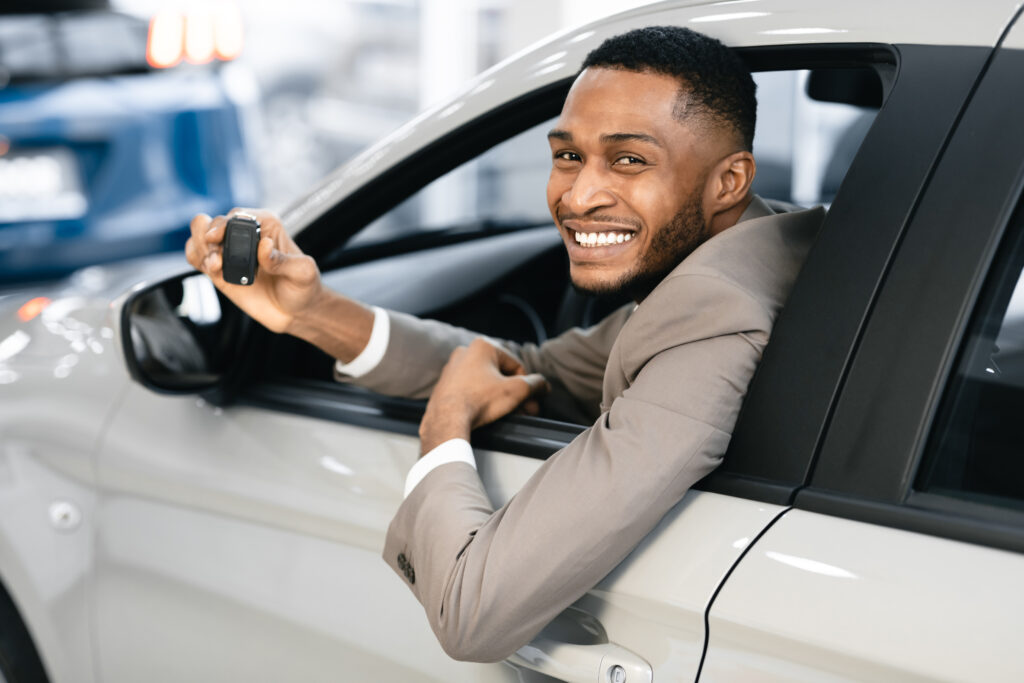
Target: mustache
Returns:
[597, 218]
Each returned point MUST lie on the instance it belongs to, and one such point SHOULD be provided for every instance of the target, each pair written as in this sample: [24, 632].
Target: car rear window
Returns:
[977, 448]
[803, 146]
[69, 45]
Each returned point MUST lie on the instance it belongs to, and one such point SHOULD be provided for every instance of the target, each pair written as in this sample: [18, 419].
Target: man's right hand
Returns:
[287, 282]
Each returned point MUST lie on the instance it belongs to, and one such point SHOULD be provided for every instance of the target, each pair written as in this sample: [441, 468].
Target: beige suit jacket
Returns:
[663, 383]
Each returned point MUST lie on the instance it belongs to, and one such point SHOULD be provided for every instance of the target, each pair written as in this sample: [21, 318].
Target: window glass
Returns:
[977, 449]
[803, 149]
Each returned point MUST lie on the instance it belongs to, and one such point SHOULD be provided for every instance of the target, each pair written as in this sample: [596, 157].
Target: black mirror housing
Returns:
[180, 335]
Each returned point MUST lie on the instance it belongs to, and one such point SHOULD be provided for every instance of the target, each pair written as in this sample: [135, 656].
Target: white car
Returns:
[186, 496]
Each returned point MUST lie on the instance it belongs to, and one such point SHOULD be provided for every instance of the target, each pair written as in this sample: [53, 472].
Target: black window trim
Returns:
[898, 380]
[934, 515]
[789, 405]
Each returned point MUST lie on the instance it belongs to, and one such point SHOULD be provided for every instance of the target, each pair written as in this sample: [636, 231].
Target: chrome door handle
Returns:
[598, 663]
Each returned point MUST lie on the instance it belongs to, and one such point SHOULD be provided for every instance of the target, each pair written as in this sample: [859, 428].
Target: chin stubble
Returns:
[671, 243]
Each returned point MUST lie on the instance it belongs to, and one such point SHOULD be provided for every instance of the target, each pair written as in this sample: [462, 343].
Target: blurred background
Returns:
[120, 119]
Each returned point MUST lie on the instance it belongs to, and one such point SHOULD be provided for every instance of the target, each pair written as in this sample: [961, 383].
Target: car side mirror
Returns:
[180, 335]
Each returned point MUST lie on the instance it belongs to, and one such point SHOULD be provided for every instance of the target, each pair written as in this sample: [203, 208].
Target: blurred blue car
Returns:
[105, 154]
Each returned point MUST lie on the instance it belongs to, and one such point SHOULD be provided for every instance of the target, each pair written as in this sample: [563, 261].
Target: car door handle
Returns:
[598, 663]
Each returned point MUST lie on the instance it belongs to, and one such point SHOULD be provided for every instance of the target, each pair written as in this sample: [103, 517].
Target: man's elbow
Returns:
[477, 643]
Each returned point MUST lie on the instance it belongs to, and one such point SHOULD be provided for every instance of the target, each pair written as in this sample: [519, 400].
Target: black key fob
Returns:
[241, 238]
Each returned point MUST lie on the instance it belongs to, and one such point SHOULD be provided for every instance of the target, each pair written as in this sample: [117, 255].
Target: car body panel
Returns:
[243, 542]
[67, 375]
[819, 598]
[239, 526]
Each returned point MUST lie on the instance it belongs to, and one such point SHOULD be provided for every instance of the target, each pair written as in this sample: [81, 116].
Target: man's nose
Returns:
[588, 191]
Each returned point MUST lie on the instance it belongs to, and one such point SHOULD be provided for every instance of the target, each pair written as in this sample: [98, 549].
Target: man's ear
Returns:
[729, 182]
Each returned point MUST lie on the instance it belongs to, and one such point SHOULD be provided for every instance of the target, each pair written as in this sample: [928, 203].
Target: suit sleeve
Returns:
[573, 363]
[490, 580]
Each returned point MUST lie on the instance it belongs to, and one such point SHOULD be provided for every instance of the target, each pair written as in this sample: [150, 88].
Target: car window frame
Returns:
[910, 348]
[774, 479]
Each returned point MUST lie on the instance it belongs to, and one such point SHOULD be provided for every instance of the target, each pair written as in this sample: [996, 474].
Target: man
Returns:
[650, 188]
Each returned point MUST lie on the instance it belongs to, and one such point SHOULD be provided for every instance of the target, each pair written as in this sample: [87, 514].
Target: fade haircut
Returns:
[714, 81]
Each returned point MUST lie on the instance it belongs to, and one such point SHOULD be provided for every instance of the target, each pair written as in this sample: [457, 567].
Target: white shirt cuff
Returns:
[452, 450]
[370, 357]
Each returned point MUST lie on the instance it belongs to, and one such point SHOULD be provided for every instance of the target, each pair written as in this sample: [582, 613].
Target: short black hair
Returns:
[714, 80]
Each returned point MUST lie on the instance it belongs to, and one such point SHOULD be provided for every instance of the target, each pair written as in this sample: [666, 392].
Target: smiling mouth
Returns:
[601, 239]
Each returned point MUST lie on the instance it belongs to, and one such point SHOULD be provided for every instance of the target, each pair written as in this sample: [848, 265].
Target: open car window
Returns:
[475, 247]
[803, 148]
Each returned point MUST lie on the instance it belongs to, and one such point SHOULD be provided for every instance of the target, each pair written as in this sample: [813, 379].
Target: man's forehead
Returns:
[617, 100]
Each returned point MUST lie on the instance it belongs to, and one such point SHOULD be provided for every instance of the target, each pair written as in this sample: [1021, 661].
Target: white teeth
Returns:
[597, 239]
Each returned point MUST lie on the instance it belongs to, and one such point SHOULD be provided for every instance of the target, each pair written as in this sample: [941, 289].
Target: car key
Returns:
[241, 239]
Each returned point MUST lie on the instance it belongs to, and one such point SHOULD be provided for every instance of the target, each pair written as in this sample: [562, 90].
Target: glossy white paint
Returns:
[739, 23]
[653, 604]
[1015, 37]
[820, 598]
[245, 545]
[60, 378]
[261, 532]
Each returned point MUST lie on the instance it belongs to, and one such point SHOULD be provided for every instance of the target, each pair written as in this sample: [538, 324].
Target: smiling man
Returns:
[650, 188]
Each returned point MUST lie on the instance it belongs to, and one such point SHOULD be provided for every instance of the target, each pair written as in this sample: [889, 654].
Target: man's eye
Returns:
[629, 160]
[567, 156]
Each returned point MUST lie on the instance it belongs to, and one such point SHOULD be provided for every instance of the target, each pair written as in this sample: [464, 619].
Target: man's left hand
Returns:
[480, 383]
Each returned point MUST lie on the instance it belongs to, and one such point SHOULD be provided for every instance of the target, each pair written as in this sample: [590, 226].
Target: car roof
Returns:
[738, 23]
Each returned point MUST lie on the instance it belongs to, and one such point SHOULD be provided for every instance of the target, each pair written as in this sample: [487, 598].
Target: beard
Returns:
[671, 243]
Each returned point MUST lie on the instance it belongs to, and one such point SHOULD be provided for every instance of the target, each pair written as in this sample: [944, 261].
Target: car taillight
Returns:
[33, 307]
[198, 36]
[166, 39]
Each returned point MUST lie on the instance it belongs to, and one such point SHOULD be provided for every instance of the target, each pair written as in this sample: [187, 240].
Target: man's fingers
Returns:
[192, 254]
[195, 248]
[215, 231]
[530, 407]
[537, 384]
[212, 264]
[507, 363]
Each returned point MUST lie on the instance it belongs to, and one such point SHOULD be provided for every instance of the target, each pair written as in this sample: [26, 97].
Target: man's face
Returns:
[627, 181]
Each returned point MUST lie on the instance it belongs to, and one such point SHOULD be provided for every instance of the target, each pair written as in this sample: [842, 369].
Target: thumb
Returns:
[298, 267]
[538, 386]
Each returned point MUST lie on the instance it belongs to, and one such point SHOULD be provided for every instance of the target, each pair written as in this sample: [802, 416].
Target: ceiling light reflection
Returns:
[552, 58]
[809, 565]
[548, 69]
[329, 463]
[732, 16]
[801, 31]
[14, 344]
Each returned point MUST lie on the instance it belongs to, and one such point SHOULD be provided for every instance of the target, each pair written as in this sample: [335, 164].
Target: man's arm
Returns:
[490, 580]
[573, 363]
[289, 296]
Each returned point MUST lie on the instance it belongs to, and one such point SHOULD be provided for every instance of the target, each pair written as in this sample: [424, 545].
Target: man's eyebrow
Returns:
[631, 137]
[608, 138]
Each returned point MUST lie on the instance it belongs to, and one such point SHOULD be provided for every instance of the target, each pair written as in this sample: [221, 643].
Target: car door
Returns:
[902, 559]
[241, 539]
